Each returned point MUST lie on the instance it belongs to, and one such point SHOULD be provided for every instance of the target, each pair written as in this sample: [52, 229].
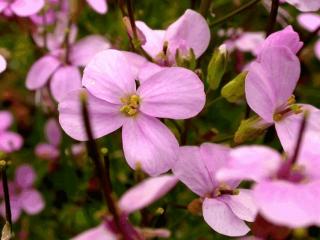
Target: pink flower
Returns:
[286, 193]
[189, 32]
[100, 6]
[136, 198]
[224, 208]
[9, 141]
[61, 70]
[21, 8]
[311, 22]
[3, 64]
[114, 101]
[305, 5]
[23, 197]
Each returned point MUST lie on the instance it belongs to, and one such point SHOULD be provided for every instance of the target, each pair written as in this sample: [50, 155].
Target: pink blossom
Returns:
[286, 193]
[3, 64]
[190, 31]
[21, 8]
[136, 198]
[305, 5]
[224, 208]
[311, 22]
[60, 67]
[9, 141]
[23, 197]
[100, 6]
[114, 101]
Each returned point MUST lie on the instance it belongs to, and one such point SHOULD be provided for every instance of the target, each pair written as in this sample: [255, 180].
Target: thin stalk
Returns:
[204, 7]
[299, 139]
[235, 12]
[6, 194]
[100, 170]
[131, 18]
[273, 17]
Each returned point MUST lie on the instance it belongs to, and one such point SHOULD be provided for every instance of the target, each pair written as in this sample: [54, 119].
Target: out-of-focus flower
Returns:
[285, 192]
[21, 8]
[9, 141]
[311, 22]
[61, 64]
[3, 64]
[23, 196]
[136, 198]
[189, 35]
[304, 5]
[100, 6]
[224, 207]
[114, 101]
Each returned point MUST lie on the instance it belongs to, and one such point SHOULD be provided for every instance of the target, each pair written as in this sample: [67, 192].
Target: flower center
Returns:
[225, 189]
[130, 105]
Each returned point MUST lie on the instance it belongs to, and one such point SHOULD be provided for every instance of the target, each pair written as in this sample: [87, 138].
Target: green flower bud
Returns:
[217, 67]
[233, 91]
[187, 61]
[250, 129]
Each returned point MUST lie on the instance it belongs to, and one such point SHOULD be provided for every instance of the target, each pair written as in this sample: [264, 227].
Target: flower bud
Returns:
[217, 67]
[187, 61]
[233, 91]
[250, 129]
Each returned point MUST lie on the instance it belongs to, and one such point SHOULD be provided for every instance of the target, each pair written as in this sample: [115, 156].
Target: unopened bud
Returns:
[187, 61]
[217, 67]
[233, 91]
[250, 129]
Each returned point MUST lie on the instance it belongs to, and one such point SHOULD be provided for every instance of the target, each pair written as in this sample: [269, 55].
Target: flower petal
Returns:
[174, 92]
[146, 192]
[149, 143]
[24, 8]
[242, 204]
[84, 50]
[97, 233]
[191, 30]
[109, 76]
[317, 49]
[3, 64]
[47, 151]
[305, 6]
[220, 217]
[25, 176]
[252, 163]
[32, 201]
[5, 120]
[41, 71]
[10, 142]
[100, 6]
[105, 117]
[270, 83]
[53, 132]
[65, 80]
[309, 21]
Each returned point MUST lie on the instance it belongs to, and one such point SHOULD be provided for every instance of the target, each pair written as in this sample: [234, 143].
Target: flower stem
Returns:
[100, 170]
[204, 6]
[235, 12]
[273, 17]
[6, 192]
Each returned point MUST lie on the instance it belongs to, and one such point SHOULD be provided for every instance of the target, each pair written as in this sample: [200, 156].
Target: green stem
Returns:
[204, 7]
[273, 17]
[6, 194]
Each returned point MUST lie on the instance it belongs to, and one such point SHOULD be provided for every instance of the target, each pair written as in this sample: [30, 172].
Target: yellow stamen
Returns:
[130, 105]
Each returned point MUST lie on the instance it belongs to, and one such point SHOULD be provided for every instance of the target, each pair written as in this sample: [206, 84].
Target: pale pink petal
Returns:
[25, 176]
[147, 70]
[285, 38]
[109, 76]
[271, 82]
[47, 151]
[310, 21]
[317, 49]
[16, 209]
[154, 39]
[149, 143]
[191, 30]
[10, 142]
[105, 117]
[192, 171]
[100, 232]
[24, 8]
[220, 218]
[65, 80]
[288, 128]
[136, 62]
[3, 64]
[53, 132]
[100, 6]
[146, 192]
[242, 204]
[286, 203]
[251, 163]
[3, 5]
[250, 42]
[41, 71]
[32, 201]
[174, 92]
[84, 50]
[6, 120]
[305, 5]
